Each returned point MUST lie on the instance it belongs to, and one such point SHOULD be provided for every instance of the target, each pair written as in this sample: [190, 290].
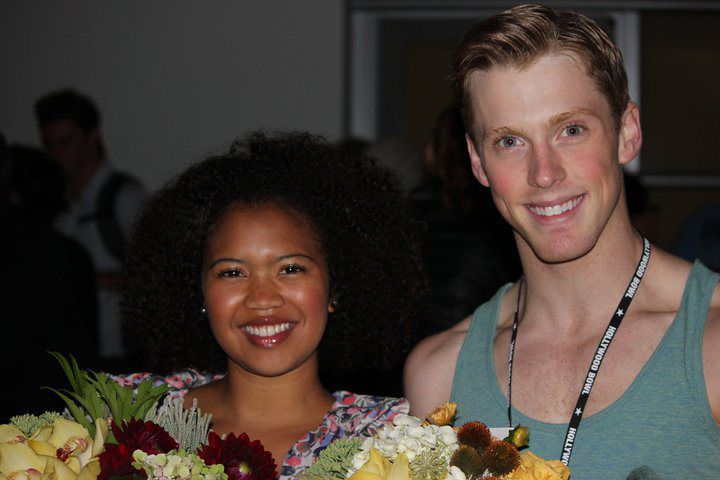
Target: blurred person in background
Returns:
[48, 283]
[102, 201]
[468, 249]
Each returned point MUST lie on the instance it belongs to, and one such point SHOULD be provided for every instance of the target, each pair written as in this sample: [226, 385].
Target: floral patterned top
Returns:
[350, 415]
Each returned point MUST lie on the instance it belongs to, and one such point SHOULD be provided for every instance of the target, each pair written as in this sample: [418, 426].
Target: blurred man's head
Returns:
[69, 124]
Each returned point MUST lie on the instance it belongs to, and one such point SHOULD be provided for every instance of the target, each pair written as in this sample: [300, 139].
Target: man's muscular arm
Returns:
[430, 369]
[711, 355]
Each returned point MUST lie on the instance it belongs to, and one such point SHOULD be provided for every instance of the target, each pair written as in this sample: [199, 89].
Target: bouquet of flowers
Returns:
[110, 431]
[412, 449]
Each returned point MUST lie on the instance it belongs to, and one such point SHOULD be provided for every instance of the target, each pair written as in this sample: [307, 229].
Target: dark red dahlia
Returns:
[116, 460]
[242, 459]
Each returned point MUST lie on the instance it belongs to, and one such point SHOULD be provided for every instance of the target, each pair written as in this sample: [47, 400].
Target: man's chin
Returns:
[561, 250]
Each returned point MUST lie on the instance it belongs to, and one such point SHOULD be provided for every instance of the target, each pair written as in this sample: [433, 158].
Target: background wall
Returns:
[175, 79]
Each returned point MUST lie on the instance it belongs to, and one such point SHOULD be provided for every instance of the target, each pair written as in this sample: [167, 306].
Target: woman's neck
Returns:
[293, 398]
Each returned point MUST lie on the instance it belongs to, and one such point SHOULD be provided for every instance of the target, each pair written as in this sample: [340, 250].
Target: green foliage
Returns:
[93, 394]
[29, 423]
[189, 427]
[335, 461]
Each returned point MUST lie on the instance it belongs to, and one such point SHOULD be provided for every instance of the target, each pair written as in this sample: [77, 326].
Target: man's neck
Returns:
[585, 290]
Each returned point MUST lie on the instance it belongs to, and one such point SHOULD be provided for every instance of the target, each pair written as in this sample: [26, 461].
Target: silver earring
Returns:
[203, 310]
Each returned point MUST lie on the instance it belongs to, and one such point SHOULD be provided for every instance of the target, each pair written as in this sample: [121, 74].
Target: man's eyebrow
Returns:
[561, 117]
[497, 131]
[555, 119]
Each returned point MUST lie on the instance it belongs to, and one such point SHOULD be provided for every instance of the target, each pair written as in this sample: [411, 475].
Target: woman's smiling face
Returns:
[265, 284]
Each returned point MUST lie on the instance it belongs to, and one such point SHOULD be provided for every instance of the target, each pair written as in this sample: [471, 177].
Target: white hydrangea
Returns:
[455, 474]
[408, 435]
[177, 466]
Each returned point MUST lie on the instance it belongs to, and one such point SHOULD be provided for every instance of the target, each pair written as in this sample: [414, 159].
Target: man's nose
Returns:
[546, 167]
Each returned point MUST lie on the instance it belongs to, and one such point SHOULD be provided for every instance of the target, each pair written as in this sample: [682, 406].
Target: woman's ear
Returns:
[332, 304]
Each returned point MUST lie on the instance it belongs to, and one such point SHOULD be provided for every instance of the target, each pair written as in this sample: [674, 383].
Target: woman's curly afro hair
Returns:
[355, 208]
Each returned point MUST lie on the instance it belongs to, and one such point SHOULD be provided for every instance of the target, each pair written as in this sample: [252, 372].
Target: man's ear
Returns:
[630, 135]
[475, 162]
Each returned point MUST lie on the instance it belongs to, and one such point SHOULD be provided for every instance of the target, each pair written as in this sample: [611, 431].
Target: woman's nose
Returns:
[262, 294]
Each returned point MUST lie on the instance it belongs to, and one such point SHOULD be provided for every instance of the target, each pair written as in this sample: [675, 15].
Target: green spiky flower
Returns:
[189, 427]
[335, 460]
[29, 423]
[429, 465]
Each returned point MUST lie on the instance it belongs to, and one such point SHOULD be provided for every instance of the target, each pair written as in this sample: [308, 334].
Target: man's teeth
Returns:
[556, 209]
[267, 330]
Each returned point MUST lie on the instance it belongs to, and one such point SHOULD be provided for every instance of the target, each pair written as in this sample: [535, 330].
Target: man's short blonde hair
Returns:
[519, 36]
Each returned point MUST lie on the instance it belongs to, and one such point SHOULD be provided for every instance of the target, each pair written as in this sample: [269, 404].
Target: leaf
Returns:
[76, 412]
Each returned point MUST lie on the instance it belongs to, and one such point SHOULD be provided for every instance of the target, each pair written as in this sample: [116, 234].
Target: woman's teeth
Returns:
[555, 209]
[267, 330]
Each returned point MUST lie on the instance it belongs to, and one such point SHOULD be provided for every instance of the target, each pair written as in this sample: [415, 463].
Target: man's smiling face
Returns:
[545, 142]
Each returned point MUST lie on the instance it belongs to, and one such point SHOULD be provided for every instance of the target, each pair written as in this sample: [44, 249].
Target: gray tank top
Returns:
[663, 420]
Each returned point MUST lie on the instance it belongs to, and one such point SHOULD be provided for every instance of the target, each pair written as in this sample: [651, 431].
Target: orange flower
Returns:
[533, 467]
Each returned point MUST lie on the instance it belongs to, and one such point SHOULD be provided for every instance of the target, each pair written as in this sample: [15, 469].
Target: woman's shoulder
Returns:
[178, 382]
[365, 414]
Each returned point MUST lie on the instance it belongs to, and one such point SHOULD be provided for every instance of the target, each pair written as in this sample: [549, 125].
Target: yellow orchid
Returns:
[61, 451]
[379, 468]
[18, 457]
[9, 433]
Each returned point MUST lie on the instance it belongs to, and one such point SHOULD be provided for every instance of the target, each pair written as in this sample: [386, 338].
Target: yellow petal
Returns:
[42, 448]
[9, 433]
[101, 435]
[365, 476]
[377, 464]
[74, 464]
[18, 456]
[42, 434]
[443, 415]
[400, 469]
[57, 470]
[64, 429]
[562, 469]
[90, 471]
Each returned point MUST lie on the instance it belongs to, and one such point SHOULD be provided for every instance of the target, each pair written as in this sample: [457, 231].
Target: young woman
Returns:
[271, 261]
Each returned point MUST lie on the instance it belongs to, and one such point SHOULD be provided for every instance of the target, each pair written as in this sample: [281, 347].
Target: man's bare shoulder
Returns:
[711, 354]
[441, 347]
[430, 368]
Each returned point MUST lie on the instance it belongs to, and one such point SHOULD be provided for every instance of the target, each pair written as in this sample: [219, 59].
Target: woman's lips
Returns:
[267, 334]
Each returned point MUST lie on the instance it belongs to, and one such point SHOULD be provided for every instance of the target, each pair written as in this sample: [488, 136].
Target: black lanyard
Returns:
[594, 369]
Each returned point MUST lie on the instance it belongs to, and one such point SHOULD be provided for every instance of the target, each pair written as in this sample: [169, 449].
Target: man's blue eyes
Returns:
[569, 131]
[509, 142]
[572, 130]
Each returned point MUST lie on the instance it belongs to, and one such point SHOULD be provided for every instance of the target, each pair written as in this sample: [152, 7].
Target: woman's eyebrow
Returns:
[292, 255]
[226, 259]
